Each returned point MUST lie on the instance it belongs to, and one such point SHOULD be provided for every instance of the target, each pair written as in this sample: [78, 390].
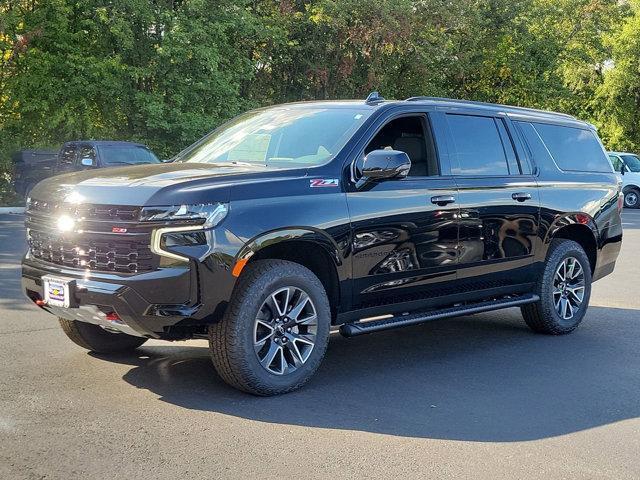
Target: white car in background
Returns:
[628, 165]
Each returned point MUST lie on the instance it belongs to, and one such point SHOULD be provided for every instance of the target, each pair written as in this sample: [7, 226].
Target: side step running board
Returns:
[360, 328]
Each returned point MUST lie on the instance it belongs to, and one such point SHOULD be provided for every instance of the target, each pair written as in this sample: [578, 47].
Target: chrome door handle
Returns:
[443, 200]
[521, 196]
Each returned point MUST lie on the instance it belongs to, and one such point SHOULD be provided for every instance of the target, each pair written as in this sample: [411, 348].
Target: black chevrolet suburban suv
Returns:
[363, 215]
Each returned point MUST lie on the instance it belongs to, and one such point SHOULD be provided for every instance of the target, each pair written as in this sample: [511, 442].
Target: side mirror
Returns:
[623, 169]
[384, 164]
[87, 162]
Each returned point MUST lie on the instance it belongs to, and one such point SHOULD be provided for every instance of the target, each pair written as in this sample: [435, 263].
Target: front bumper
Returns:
[151, 304]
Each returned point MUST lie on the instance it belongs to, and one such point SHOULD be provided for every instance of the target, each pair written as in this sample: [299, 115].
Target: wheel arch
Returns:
[580, 228]
[310, 247]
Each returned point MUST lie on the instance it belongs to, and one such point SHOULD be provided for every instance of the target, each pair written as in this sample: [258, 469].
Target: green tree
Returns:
[166, 72]
[620, 93]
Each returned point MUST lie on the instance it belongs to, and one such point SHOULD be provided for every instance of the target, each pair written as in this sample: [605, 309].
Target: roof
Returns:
[379, 102]
[106, 142]
[450, 102]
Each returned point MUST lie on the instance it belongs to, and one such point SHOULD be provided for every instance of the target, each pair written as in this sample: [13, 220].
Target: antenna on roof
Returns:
[374, 97]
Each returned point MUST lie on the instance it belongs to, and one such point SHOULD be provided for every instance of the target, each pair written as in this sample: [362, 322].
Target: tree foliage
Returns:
[164, 72]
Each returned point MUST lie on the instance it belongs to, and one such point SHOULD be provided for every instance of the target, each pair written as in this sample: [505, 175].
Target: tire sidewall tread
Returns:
[541, 316]
[637, 192]
[231, 339]
[96, 339]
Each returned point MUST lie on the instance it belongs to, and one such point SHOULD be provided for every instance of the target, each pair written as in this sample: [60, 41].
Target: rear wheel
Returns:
[97, 339]
[564, 290]
[275, 331]
[632, 198]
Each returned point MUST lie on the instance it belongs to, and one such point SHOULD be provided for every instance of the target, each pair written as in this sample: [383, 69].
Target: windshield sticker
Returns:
[323, 182]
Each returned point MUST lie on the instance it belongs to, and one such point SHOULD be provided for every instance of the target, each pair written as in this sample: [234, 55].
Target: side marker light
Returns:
[237, 269]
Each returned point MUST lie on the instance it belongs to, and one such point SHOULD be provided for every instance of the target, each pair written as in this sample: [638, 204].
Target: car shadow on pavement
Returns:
[479, 378]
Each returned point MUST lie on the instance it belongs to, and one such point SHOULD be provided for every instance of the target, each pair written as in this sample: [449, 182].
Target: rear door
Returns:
[499, 202]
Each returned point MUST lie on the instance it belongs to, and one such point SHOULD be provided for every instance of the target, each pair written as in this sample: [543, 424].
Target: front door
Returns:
[404, 239]
[499, 203]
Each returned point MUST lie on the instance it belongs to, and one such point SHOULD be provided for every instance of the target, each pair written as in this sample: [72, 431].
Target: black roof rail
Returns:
[487, 104]
[374, 97]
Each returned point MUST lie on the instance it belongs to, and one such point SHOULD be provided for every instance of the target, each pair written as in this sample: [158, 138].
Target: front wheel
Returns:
[97, 339]
[275, 331]
[564, 289]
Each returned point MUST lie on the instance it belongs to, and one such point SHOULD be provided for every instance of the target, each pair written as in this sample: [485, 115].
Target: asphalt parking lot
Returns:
[474, 397]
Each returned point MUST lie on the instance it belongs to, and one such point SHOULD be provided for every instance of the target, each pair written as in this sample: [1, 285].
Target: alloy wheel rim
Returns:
[568, 288]
[631, 199]
[285, 330]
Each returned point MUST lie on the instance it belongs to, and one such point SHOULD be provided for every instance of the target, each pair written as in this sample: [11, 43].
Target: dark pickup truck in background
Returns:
[32, 166]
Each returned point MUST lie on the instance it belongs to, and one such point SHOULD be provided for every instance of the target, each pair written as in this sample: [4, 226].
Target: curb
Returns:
[14, 210]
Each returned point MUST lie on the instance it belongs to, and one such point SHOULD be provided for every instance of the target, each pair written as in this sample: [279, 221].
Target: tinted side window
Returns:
[573, 148]
[409, 135]
[534, 144]
[478, 147]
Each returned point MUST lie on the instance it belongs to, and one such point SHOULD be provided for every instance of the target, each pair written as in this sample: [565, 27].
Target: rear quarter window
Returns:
[573, 149]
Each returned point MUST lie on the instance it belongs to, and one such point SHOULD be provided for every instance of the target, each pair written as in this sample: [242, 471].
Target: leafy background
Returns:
[164, 72]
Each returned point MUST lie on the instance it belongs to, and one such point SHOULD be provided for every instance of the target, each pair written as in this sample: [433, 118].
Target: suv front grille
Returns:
[116, 213]
[108, 238]
[94, 254]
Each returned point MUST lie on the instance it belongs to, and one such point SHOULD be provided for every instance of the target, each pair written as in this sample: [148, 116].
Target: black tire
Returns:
[97, 339]
[231, 341]
[542, 316]
[631, 197]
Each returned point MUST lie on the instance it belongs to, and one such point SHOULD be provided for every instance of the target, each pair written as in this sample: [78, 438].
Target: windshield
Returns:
[632, 162]
[279, 136]
[126, 155]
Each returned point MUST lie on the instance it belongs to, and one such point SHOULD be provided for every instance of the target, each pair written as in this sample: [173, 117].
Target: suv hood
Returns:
[163, 184]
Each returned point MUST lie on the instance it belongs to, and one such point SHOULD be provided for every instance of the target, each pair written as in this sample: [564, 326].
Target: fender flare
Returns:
[575, 218]
[274, 237]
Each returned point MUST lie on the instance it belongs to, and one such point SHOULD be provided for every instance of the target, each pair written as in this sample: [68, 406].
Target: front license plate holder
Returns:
[58, 292]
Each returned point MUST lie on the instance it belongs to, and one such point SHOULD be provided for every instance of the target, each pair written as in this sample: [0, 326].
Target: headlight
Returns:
[209, 215]
[194, 238]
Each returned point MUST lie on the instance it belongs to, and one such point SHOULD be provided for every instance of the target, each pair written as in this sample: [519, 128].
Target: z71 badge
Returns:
[323, 182]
